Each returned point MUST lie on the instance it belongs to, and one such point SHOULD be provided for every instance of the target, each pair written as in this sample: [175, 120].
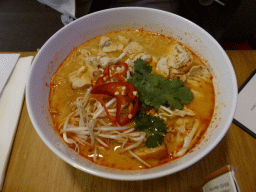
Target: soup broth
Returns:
[86, 115]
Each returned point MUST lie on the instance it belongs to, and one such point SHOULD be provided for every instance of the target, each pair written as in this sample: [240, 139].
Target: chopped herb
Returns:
[154, 140]
[155, 90]
[154, 126]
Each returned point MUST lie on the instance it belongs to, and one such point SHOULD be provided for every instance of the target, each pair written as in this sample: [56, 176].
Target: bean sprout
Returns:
[84, 126]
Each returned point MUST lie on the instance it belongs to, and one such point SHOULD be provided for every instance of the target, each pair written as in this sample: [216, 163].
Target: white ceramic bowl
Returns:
[61, 44]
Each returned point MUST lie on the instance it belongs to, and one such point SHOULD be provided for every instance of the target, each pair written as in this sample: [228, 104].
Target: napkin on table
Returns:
[7, 63]
[246, 106]
[11, 102]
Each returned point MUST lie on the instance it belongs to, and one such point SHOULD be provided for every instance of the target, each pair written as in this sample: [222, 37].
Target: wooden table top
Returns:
[34, 167]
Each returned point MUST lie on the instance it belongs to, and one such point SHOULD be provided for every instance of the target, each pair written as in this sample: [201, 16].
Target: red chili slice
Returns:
[127, 100]
[106, 75]
[119, 76]
[100, 98]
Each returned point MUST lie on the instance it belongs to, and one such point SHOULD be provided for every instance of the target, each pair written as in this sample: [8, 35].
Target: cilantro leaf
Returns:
[140, 66]
[154, 126]
[159, 125]
[156, 80]
[142, 121]
[154, 90]
[185, 95]
[154, 140]
[173, 85]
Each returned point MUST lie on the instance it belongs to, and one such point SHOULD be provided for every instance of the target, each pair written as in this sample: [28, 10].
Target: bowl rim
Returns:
[134, 177]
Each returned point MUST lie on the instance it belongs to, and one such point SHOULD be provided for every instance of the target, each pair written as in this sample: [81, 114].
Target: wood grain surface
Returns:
[34, 167]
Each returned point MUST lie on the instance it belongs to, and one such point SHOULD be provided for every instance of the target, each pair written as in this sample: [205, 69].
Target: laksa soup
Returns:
[132, 99]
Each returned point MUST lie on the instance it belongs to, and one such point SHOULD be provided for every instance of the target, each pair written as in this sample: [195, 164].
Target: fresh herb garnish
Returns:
[154, 126]
[155, 90]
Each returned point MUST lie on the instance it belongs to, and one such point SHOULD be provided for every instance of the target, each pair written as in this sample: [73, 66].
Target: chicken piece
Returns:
[104, 41]
[199, 72]
[123, 40]
[85, 52]
[107, 46]
[173, 140]
[113, 47]
[103, 61]
[132, 49]
[175, 71]
[92, 61]
[184, 112]
[152, 153]
[179, 57]
[81, 77]
[166, 112]
[145, 57]
[187, 140]
[181, 125]
[162, 67]
[130, 63]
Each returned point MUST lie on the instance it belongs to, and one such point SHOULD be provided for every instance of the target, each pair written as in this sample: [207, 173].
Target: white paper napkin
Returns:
[246, 106]
[11, 102]
[7, 63]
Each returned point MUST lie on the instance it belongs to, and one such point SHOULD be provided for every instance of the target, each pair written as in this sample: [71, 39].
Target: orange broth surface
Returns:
[62, 95]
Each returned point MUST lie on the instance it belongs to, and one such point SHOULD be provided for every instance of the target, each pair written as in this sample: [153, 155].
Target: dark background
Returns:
[25, 25]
